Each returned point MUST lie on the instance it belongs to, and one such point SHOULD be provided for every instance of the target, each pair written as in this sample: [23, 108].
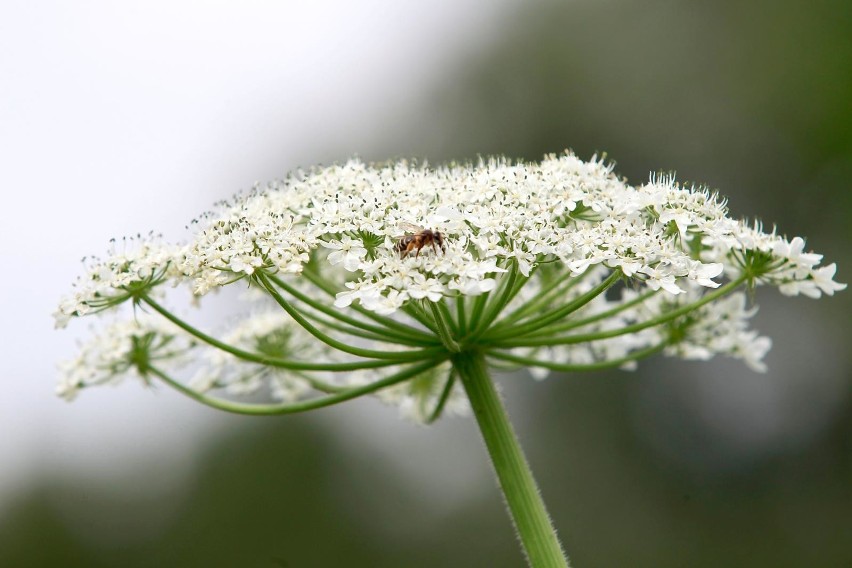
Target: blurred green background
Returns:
[676, 465]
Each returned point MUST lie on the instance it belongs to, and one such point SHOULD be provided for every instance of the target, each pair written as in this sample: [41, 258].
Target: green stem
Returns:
[592, 319]
[461, 315]
[443, 329]
[302, 406]
[445, 396]
[265, 359]
[412, 355]
[358, 332]
[417, 338]
[500, 331]
[544, 296]
[586, 337]
[315, 383]
[499, 300]
[390, 323]
[520, 282]
[420, 315]
[524, 501]
[448, 317]
[476, 312]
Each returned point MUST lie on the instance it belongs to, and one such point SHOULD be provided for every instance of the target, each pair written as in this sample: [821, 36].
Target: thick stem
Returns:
[524, 501]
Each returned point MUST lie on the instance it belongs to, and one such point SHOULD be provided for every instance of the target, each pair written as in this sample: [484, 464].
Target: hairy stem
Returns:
[524, 501]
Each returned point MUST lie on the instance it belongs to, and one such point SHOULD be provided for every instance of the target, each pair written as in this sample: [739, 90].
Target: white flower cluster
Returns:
[798, 272]
[108, 282]
[118, 350]
[722, 329]
[560, 210]
[122, 349]
[387, 240]
[719, 328]
[273, 334]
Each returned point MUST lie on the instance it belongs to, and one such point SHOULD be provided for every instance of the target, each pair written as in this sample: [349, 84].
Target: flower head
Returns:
[124, 348]
[563, 210]
[136, 267]
[386, 275]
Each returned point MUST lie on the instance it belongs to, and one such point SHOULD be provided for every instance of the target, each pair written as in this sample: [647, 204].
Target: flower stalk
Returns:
[443, 328]
[261, 358]
[304, 406]
[532, 523]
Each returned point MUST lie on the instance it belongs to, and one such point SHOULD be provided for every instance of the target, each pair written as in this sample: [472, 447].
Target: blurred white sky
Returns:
[118, 118]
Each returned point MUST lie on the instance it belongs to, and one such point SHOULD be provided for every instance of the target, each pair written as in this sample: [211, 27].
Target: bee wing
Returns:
[408, 229]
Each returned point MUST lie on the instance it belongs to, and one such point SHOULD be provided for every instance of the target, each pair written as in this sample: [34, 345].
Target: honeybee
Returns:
[418, 239]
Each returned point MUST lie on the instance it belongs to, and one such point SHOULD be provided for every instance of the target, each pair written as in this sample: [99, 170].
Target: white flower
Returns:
[661, 278]
[793, 252]
[363, 290]
[722, 329]
[387, 304]
[244, 263]
[824, 279]
[529, 238]
[472, 286]
[347, 251]
[420, 287]
[123, 349]
[703, 273]
[489, 215]
[142, 264]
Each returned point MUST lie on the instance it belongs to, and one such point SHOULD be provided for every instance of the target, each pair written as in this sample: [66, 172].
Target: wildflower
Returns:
[522, 241]
[139, 267]
[551, 266]
[124, 348]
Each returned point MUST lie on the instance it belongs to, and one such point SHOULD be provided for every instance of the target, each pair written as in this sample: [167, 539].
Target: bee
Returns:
[418, 239]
